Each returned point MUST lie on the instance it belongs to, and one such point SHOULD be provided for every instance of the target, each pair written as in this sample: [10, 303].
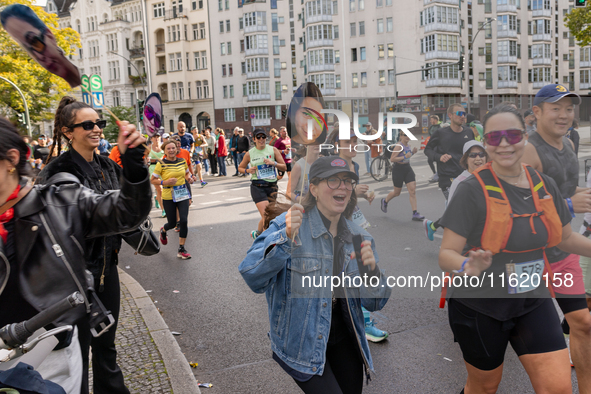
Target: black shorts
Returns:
[288, 169]
[401, 174]
[267, 192]
[483, 340]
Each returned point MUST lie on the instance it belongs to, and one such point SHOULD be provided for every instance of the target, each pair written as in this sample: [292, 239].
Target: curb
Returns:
[181, 377]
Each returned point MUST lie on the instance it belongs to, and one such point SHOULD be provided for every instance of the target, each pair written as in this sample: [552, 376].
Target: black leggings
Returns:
[170, 208]
[343, 371]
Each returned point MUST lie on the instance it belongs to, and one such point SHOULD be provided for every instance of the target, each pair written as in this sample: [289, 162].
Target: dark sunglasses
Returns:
[474, 155]
[152, 115]
[89, 125]
[461, 113]
[260, 136]
[334, 182]
[512, 136]
[35, 42]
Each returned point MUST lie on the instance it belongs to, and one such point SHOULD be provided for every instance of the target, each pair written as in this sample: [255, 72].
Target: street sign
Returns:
[96, 83]
[252, 116]
[86, 88]
[98, 99]
[96, 88]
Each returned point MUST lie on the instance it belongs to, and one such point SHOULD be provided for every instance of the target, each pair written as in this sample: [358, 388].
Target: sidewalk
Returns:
[148, 354]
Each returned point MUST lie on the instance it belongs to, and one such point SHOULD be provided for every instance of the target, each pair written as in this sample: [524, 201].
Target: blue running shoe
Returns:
[428, 229]
[384, 206]
[374, 334]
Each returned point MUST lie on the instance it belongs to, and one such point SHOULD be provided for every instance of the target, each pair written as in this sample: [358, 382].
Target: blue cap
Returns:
[552, 93]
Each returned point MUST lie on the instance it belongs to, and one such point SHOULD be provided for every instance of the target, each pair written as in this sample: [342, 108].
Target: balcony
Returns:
[583, 64]
[545, 61]
[507, 59]
[507, 84]
[540, 85]
[260, 122]
[161, 72]
[257, 74]
[442, 55]
[259, 97]
[159, 48]
[321, 67]
[542, 37]
[255, 28]
[173, 13]
[328, 91]
[318, 18]
[506, 33]
[443, 82]
[449, 27]
[541, 13]
[136, 52]
[584, 85]
[452, 2]
[506, 8]
[319, 43]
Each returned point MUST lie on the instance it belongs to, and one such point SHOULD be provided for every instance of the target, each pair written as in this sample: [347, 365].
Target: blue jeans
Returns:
[368, 160]
[241, 157]
[222, 165]
[205, 164]
[235, 157]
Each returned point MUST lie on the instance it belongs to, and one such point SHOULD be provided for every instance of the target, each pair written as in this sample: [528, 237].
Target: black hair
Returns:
[64, 117]
[11, 139]
[500, 109]
[307, 89]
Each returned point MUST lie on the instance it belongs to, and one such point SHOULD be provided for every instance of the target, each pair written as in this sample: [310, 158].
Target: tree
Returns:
[41, 88]
[578, 22]
[124, 113]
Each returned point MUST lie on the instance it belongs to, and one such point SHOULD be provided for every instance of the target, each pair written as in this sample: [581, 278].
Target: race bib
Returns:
[359, 219]
[180, 193]
[266, 171]
[288, 155]
[524, 277]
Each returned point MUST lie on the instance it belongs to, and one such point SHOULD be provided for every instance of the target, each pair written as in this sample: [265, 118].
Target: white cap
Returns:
[165, 135]
[468, 145]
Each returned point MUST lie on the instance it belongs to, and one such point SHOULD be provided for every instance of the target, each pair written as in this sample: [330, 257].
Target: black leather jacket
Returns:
[52, 223]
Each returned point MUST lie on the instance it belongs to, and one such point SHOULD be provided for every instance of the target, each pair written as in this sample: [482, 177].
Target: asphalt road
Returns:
[224, 324]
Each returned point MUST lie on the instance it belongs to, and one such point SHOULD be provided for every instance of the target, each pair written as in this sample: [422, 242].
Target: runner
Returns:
[586, 261]
[446, 144]
[187, 141]
[175, 178]
[200, 143]
[321, 346]
[283, 144]
[484, 319]
[156, 154]
[553, 154]
[403, 173]
[474, 157]
[264, 162]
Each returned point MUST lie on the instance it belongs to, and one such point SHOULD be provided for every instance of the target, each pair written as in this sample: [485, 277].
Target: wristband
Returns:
[161, 183]
[461, 268]
[569, 202]
[275, 164]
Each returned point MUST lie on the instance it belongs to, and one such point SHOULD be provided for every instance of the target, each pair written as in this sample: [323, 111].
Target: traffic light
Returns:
[21, 118]
[140, 105]
[580, 3]
[427, 74]
[461, 62]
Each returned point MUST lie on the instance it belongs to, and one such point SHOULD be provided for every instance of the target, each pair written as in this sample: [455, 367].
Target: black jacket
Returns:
[66, 214]
[243, 144]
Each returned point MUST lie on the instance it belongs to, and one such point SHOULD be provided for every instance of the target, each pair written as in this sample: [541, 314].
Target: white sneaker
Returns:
[567, 339]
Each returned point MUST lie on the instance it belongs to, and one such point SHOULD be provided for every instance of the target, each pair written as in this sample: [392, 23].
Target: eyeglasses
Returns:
[36, 43]
[260, 136]
[89, 125]
[150, 114]
[513, 136]
[461, 113]
[334, 182]
[474, 155]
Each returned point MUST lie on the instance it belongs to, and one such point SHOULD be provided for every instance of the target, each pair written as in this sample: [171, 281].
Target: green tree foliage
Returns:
[124, 113]
[578, 22]
[41, 88]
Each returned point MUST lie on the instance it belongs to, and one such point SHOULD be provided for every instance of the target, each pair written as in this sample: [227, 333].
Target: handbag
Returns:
[143, 240]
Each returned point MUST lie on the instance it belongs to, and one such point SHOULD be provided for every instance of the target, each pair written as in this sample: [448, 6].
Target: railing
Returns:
[544, 60]
[328, 91]
[541, 13]
[321, 67]
[449, 27]
[319, 43]
[174, 13]
[259, 97]
[443, 82]
[136, 52]
[507, 84]
[585, 64]
[507, 59]
[257, 74]
[159, 48]
[584, 85]
[255, 28]
[319, 18]
[506, 33]
[506, 8]
[442, 55]
[452, 2]
[542, 37]
[256, 51]
[539, 85]
[161, 72]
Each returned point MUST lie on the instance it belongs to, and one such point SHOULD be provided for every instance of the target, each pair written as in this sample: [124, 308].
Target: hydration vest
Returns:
[499, 216]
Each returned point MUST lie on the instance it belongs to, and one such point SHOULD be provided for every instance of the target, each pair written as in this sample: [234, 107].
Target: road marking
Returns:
[236, 198]
[209, 202]
[438, 236]
[240, 188]
[198, 195]
[218, 192]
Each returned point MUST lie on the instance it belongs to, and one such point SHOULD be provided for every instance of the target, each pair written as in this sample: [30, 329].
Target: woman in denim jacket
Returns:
[317, 329]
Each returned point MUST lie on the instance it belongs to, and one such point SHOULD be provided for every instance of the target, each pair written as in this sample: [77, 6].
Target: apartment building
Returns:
[181, 61]
[112, 37]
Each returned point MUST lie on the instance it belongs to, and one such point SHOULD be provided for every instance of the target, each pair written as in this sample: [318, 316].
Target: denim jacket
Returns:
[300, 317]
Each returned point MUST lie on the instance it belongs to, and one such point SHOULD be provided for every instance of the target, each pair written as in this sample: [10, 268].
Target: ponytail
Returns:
[64, 117]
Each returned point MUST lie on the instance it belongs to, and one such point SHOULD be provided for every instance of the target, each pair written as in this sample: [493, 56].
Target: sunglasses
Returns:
[89, 125]
[260, 136]
[461, 113]
[152, 115]
[513, 136]
[334, 182]
[35, 42]
[474, 155]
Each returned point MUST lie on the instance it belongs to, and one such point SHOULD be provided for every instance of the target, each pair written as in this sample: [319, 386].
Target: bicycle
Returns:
[380, 167]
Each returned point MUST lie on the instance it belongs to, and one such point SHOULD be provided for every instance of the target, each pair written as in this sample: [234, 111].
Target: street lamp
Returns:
[470, 59]
[27, 120]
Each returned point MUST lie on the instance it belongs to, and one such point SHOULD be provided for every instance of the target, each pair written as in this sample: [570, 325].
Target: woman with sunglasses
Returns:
[499, 222]
[317, 335]
[264, 161]
[474, 157]
[80, 125]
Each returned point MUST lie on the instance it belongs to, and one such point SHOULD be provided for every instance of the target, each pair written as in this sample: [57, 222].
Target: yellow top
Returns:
[171, 169]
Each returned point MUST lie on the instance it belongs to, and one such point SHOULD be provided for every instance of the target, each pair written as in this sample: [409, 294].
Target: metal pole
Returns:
[395, 88]
[143, 81]
[28, 120]
[470, 58]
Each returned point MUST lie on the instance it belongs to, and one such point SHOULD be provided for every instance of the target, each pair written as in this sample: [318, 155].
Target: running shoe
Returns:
[156, 202]
[434, 178]
[384, 206]
[178, 227]
[374, 334]
[417, 217]
[163, 213]
[203, 183]
[254, 234]
[567, 339]
[163, 239]
[428, 229]
[182, 253]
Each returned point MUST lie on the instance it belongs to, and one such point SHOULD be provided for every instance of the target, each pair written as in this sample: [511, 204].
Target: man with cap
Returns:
[265, 161]
[552, 153]
[165, 137]
[530, 121]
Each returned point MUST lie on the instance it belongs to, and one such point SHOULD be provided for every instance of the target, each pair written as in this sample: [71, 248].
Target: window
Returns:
[221, 26]
[362, 53]
[227, 26]
[379, 3]
[352, 25]
[220, 5]
[230, 70]
[181, 91]
[202, 30]
[337, 56]
[258, 41]
[231, 91]
[229, 115]
[240, 23]
[360, 106]
[223, 48]
[203, 59]
[278, 112]
[116, 98]
[197, 4]
[389, 25]
[261, 112]
[584, 77]
[275, 45]
[274, 23]
[277, 68]
[361, 28]
[229, 48]
[355, 80]
[252, 19]
[205, 89]
[539, 26]
[174, 91]
[354, 54]
[507, 73]
[225, 90]
[390, 50]
[382, 77]
[198, 91]
[322, 32]
[257, 64]
[540, 74]
[361, 5]
[257, 87]
[179, 61]
[223, 70]
[158, 10]
[585, 54]
[363, 79]
[506, 23]
[323, 81]
[351, 5]
[380, 51]
[277, 90]
[338, 81]
[390, 77]
[380, 25]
